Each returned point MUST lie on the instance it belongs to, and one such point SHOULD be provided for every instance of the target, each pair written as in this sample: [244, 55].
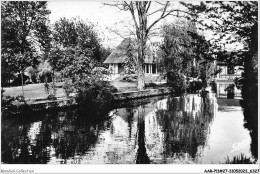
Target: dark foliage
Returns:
[194, 86]
[237, 22]
[213, 85]
[5, 100]
[240, 159]
[45, 76]
[177, 82]
[18, 80]
[184, 52]
[129, 78]
[95, 97]
[76, 48]
[18, 149]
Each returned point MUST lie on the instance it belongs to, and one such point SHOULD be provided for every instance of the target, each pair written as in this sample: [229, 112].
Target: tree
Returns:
[237, 22]
[74, 33]
[184, 53]
[24, 35]
[141, 11]
[105, 52]
[76, 48]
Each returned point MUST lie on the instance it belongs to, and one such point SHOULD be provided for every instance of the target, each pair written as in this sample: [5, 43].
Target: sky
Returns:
[106, 18]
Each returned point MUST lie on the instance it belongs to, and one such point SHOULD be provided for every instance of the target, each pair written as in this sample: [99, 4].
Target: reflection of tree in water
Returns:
[16, 143]
[69, 133]
[130, 119]
[77, 133]
[141, 156]
[185, 125]
[13, 142]
[43, 142]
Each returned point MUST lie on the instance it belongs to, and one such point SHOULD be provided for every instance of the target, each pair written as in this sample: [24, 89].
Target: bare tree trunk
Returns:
[141, 155]
[140, 64]
[142, 38]
[53, 78]
[53, 84]
[140, 73]
[22, 82]
[140, 11]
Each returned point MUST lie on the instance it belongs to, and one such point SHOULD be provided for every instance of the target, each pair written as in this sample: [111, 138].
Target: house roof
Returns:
[126, 47]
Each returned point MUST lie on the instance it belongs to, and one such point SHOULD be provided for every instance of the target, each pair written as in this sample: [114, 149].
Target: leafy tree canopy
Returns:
[231, 22]
[76, 47]
[185, 52]
[79, 34]
[24, 35]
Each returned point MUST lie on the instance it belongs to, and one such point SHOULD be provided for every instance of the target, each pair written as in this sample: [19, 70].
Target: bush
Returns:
[50, 90]
[33, 73]
[20, 98]
[101, 70]
[93, 97]
[68, 88]
[239, 81]
[240, 159]
[177, 82]
[45, 76]
[129, 78]
[8, 104]
[51, 97]
[6, 100]
[58, 77]
[150, 85]
[213, 85]
[18, 80]
[194, 86]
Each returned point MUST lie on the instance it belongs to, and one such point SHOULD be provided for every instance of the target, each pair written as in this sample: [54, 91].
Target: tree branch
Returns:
[161, 17]
[159, 3]
[131, 8]
[120, 6]
[149, 4]
[155, 12]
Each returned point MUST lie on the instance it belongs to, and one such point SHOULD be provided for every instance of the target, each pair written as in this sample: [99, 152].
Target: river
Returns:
[175, 130]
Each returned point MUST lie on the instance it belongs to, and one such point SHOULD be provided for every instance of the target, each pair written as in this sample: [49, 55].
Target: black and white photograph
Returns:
[100, 83]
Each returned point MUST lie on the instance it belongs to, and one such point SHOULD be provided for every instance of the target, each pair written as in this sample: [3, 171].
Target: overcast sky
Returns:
[103, 16]
[107, 18]
[94, 11]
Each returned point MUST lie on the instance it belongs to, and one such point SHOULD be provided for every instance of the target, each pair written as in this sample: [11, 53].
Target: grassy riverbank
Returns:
[32, 91]
[37, 91]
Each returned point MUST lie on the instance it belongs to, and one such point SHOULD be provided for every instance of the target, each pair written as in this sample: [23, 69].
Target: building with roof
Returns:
[231, 67]
[127, 48]
[228, 71]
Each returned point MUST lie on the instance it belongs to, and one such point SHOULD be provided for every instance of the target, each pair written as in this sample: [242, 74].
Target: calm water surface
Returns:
[187, 129]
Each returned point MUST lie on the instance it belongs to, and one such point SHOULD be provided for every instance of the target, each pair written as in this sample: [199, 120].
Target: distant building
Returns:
[228, 72]
[119, 56]
[225, 79]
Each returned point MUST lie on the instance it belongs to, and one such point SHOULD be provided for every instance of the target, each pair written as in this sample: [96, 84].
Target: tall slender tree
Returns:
[141, 13]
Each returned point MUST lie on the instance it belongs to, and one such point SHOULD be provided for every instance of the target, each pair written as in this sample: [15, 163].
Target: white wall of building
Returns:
[225, 75]
[114, 68]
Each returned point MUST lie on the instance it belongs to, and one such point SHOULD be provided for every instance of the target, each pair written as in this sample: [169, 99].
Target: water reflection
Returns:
[171, 130]
[185, 127]
[141, 157]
